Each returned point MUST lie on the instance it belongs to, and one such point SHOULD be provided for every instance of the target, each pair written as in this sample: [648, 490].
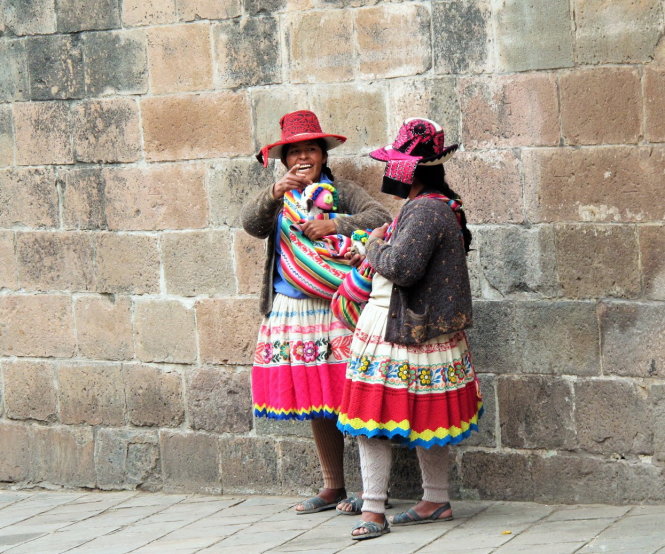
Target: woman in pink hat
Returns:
[302, 350]
[410, 379]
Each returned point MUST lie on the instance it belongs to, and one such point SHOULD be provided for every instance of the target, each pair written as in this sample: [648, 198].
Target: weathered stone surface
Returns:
[158, 197]
[8, 274]
[282, 427]
[74, 15]
[190, 462]
[489, 184]
[592, 184]
[633, 339]
[536, 35]
[148, 12]
[227, 330]
[220, 400]
[43, 133]
[657, 402]
[247, 52]
[29, 390]
[126, 459]
[201, 126]
[536, 412]
[462, 35]
[180, 58]
[243, 459]
[165, 332]
[594, 113]
[192, 10]
[36, 326]
[104, 327]
[154, 397]
[14, 81]
[28, 17]
[612, 418]
[517, 260]
[107, 131]
[493, 337]
[623, 31]
[55, 64]
[249, 254]
[127, 264]
[652, 246]
[55, 260]
[312, 60]
[640, 483]
[493, 475]
[28, 197]
[198, 263]
[115, 63]
[299, 468]
[269, 105]
[486, 435]
[261, 7]
[83, 198]
[384, 53]
[654, 104]
[6, 136]
[91, 394]
[511, 110]
[405, 478]
[16, 456]
[63, 456]
[596, 261]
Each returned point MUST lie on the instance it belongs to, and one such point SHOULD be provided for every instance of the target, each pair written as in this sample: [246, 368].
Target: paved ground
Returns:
[115, 522]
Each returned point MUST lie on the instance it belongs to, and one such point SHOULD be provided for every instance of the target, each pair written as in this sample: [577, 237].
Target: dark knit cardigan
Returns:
[259, 219]
[426, 263]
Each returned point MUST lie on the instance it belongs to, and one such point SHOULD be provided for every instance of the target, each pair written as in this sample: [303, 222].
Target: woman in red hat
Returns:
[302, 351]
[410, 379]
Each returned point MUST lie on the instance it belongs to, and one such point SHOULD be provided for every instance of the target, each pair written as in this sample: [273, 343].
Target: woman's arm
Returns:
[363, 211]
[259, 212]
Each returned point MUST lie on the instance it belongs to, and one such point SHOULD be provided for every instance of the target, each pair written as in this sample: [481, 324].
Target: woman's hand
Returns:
[378, 233]
[291, 180]
[315, 229]
[354, 259]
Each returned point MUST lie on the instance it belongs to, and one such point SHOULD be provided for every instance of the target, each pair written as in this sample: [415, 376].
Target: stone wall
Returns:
[128, 291]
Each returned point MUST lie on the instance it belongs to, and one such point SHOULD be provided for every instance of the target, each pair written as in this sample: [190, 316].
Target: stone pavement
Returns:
[33, 522]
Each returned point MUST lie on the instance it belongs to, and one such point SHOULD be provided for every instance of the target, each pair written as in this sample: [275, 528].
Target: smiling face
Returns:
[309, 156]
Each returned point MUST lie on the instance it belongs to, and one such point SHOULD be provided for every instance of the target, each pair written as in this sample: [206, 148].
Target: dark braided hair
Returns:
[434, 178]
[325, 170]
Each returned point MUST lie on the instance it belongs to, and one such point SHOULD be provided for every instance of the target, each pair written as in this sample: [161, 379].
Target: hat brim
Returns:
[389, 154]
[274, 150]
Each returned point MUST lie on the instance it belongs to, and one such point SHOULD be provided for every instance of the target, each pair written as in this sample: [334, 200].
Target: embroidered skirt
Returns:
[421, 395]
[300, 361]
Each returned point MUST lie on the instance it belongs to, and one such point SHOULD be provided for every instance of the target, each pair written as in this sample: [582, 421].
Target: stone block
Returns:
[263, 7]
[227, 329]
[633, 339]
[37, 326]
[436, 97]
[16, 456]
[89, 15]
[532, 36]
[612, 418]
[104, 327]
[247, 52]
[170, 196]
[243, 459]
[490, 185]
[165, 331]
[282, 427]
[463, 35]
[115, 63]
[517, 260]
[640, 483]
[383, 53]
[39, 142]
[405, 476]
[91, 394]
[127, 459]
[594, 113]
[623, 31]
[83, 198]
[8, 272]
[193, 10]
[28, 197]
[652, 246]
[220, 400]
[55, 260]
[127, 264]
[486, 435]
[154, 397]
[597, 261]
[299, 468]
[269, 105]
[14, 81]
[558, 338]
[29, 17]
[249, 254]
[63, 456]
[148, 12]
[29, 390]
[196, 126]
[6, 136]
[190, 462]
[198, 262]
[509, 110]
[536, 412]
[657, 398]
[55, 65]
[493, 337]
[493, 475]
[107, 131]
[180, 58]
[312, 60]
[654, 104]
[592, 184]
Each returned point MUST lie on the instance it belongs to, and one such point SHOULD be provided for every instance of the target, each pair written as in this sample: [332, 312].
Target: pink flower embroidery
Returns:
[298, 350]
[267, 353]
[310, 351]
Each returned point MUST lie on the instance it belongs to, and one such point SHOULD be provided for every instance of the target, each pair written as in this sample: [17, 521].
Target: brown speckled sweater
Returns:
[426, 263]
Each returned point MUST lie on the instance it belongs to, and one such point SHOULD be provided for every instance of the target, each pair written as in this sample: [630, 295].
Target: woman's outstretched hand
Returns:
[316, 229]
[379, 232]
[291, 180]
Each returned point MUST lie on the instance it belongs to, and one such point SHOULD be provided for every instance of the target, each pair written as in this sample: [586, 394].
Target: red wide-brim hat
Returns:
[298, 127]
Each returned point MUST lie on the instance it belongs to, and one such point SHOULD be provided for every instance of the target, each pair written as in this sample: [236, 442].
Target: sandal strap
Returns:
[371, 526]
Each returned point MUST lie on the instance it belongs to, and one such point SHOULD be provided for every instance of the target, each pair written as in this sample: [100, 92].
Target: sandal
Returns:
[411, 517]
[373, 530]
[317, 504]
[356, 505]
